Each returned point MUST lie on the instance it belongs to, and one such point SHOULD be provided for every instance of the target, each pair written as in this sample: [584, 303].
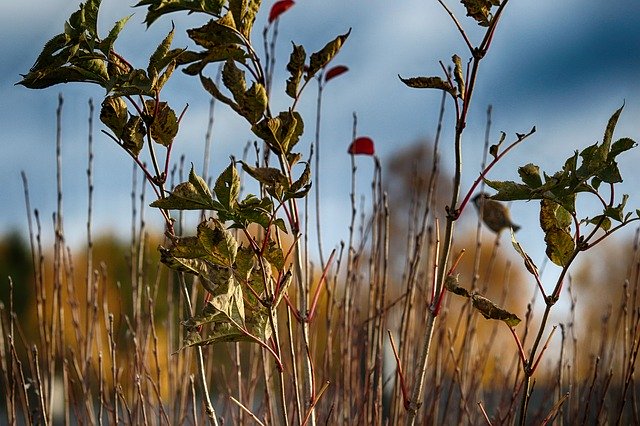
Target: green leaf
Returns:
[300, 187]
[191, 195]
[509, 190]
[611, 126]
[133, 135]
[158, 8]
[490, 310]
[220, 245]
[254, 103]
[227, 188]
[601, 221]
[157, 61]
[281, 133]
[216, 33]
[429, 83]
[164, 126]
[296, 69]
[553, 215]
[114, 115]
[530, 175]
[560, 246]
[320, 59]
[617, 213]
[106, 45]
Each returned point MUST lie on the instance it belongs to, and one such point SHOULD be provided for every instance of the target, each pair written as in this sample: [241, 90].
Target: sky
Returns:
[563, 67]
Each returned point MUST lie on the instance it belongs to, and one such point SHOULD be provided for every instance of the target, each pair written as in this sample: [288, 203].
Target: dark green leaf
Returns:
[620, 146]
[191, 195]
[267, 176]
[216, 33]
[560, 246]
[157, 61]
[480, 10]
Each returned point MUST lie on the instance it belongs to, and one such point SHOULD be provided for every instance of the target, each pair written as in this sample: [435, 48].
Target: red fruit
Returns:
[334, 72]
[279, 8]
[362, 146]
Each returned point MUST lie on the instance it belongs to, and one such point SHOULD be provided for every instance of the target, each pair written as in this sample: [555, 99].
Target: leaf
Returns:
[216, 33]
[279, 8]
[611, 126]
[254, 103]
[334, 72]
[268, 176]
[114, 115]
[620, 146]
[602, 221]
[133, 135]
[296, 69]
[164, 126]
[451, 284]
[158, 8]
[302, 182]
[320, 59]
[157, 61]
[106, 45]
[528, 262]
[509, 190]
[480, 10]
[227, 188]
[281, 133]
[220, 245]
[530, 175]
[191, 195]
[560, 246]
[493, 149]
[457, 75]
[429, 83]
[361, 146]
[490, 310]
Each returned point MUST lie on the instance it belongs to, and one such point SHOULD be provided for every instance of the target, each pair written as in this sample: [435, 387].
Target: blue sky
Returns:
[561, 66]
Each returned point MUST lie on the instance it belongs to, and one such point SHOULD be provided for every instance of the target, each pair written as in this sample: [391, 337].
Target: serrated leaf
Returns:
[296, 69]
[254, 103]
[216, 33]
[611, 126]
[164, 126]
[320, 59]
[220, 244]
[106, 45]
[617, 212]
[113, 113]
[233, 79]
[560, 246]
[157, 61]
[490, 310]
[133, 135]
[553, 215]
[281, 133]
[227, 188]
[509, 190]
[601, 221]
[191, 195]
[429, 83]
[158, 8]
[530, 175]
[267, 176]
[620, 146]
